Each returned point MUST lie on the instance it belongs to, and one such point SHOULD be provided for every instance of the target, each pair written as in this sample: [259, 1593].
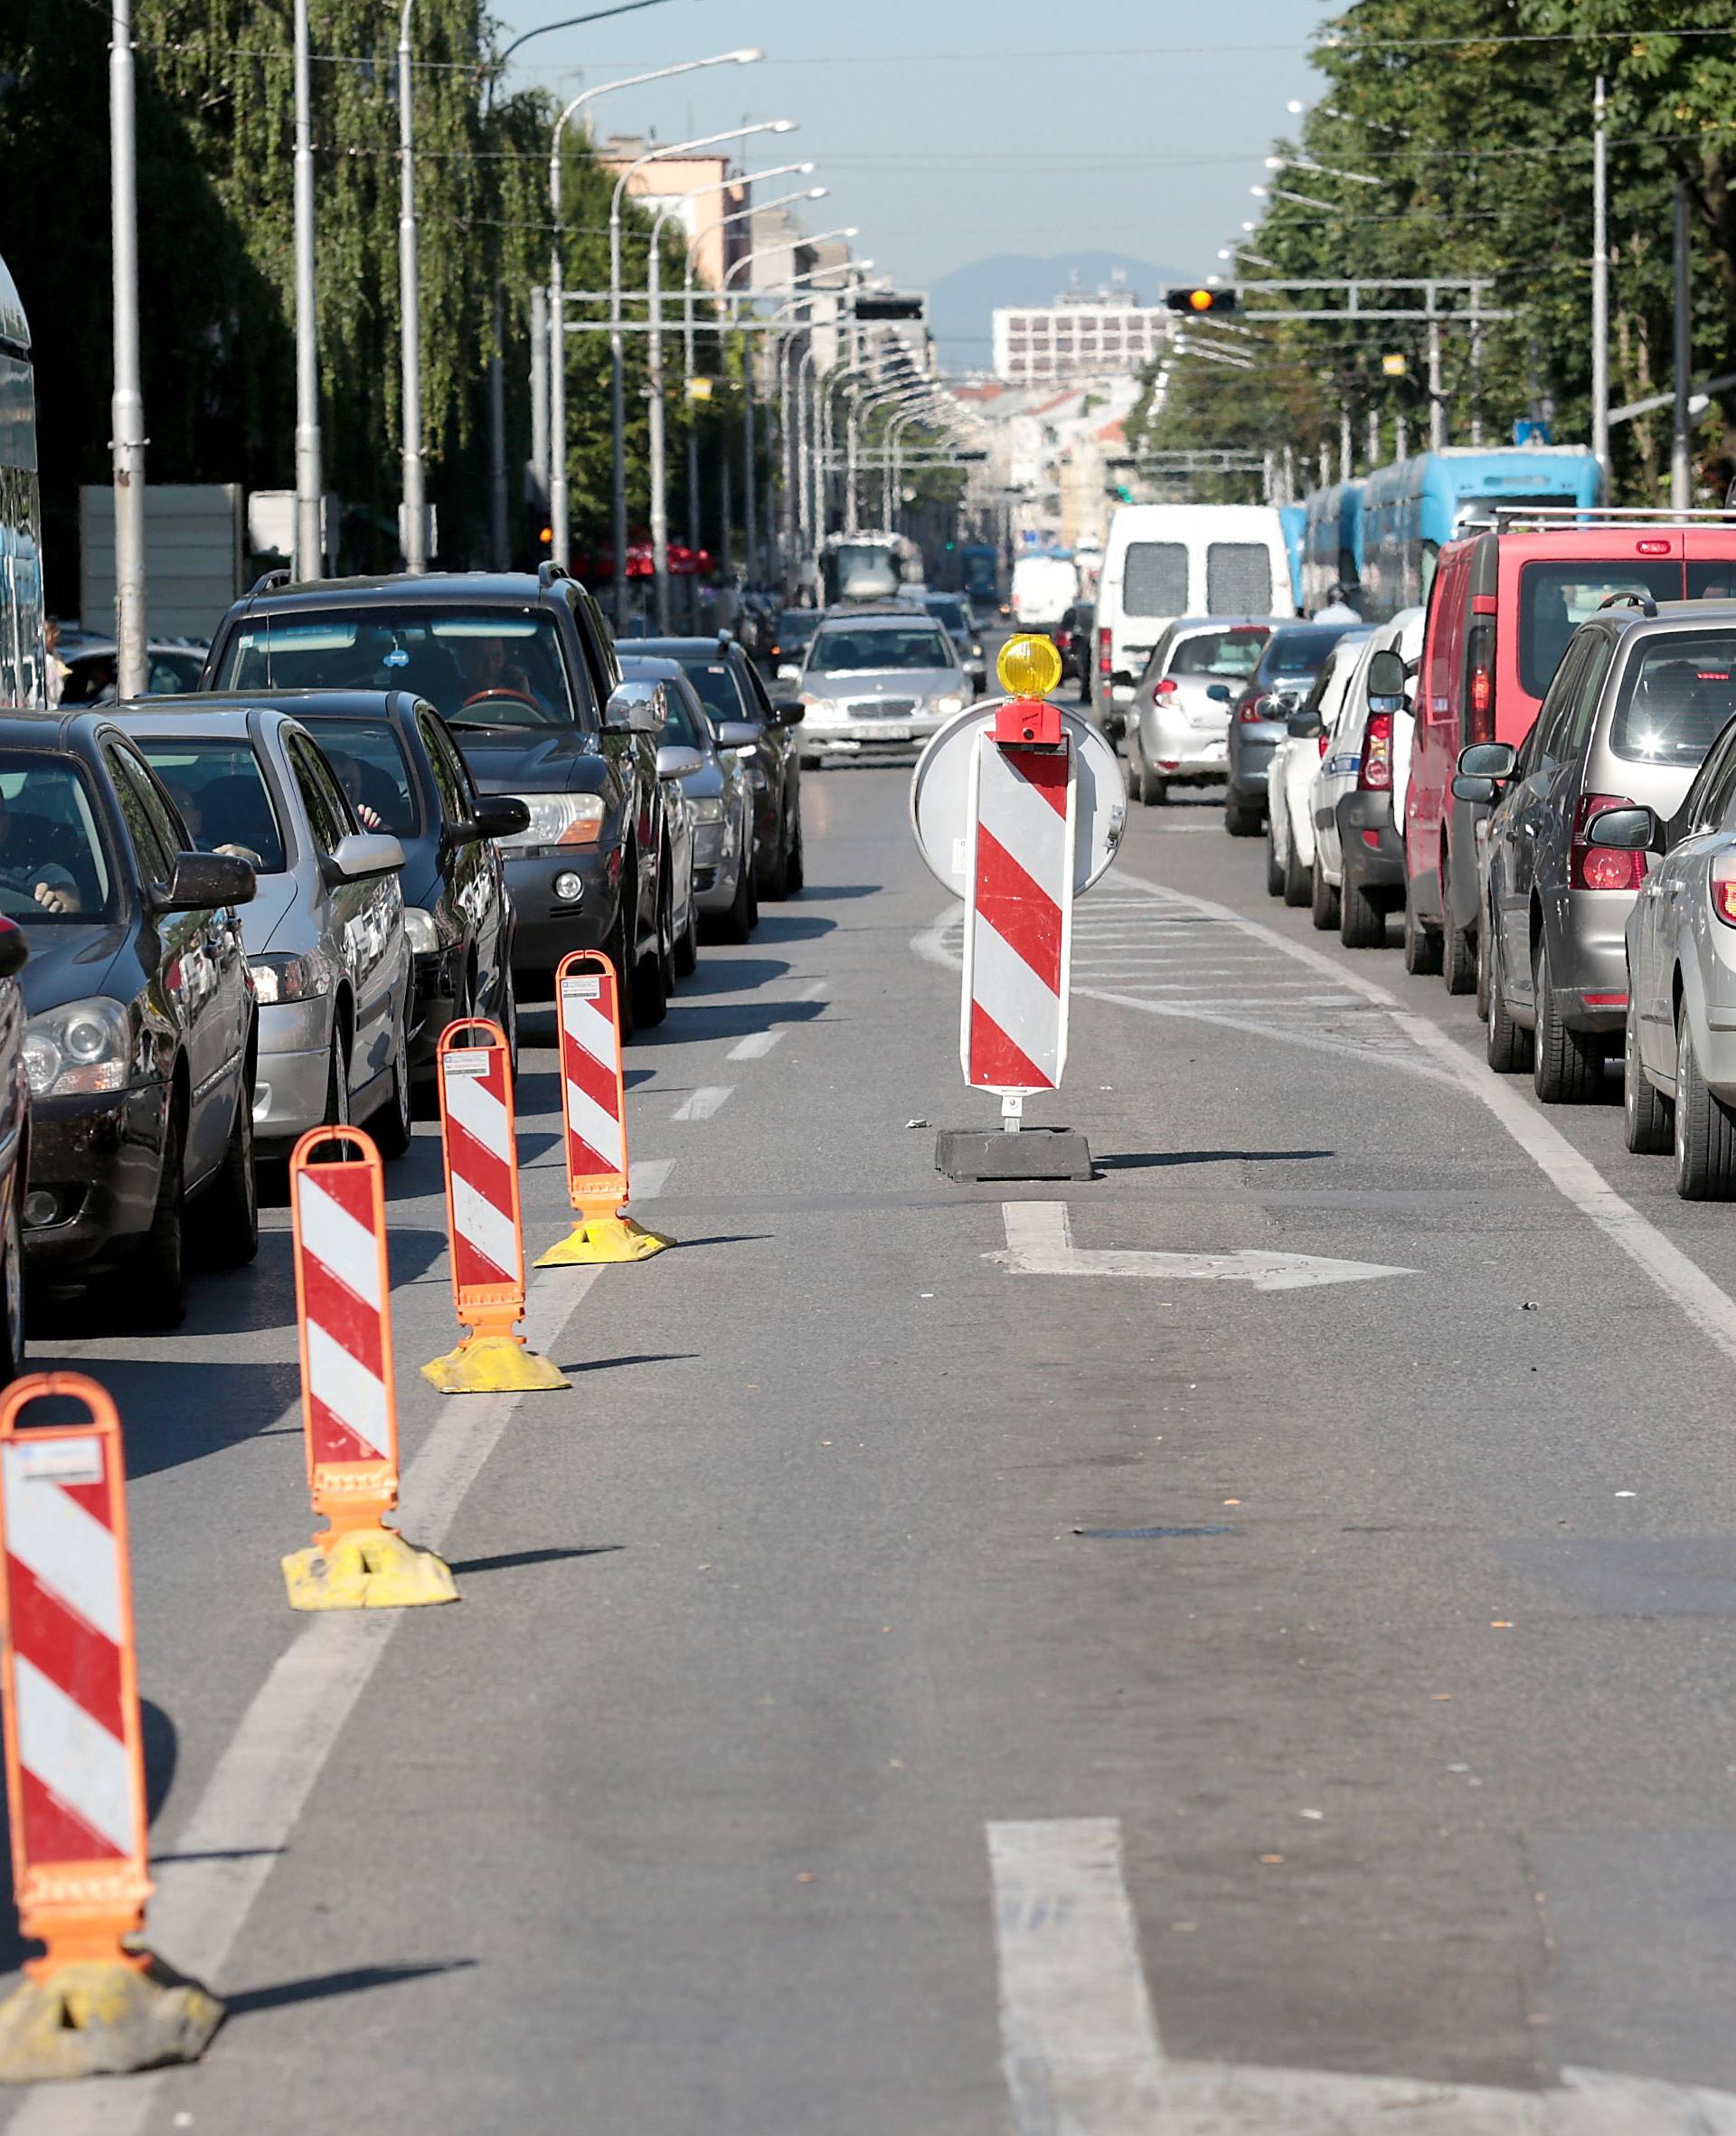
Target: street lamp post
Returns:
[127, 407]
[410, 305]
[1599, 283]
[309, 476]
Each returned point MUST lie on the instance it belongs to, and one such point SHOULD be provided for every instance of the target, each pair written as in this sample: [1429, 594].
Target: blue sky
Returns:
[950, 129]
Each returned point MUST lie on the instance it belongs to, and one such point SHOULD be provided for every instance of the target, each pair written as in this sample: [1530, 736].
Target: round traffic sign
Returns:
[940, 797]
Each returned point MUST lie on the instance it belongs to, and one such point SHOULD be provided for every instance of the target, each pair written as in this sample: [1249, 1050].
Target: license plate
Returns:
[890, 734]
[1215, 750]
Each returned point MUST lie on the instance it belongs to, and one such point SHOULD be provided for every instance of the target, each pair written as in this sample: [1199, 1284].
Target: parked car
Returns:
[1357, 798]
[1640, 695]
[729, 686]
[14, 1149]
[324, 933]
[719, 794]
[949, 611]
[789, 642]
[1175, 731]
[1073, 641]
[679, 757]
[93, 667]
[142, 1037]
[523, 671]
[1288, 662]
[1290, 773]
[878, 684]
[1501, 610]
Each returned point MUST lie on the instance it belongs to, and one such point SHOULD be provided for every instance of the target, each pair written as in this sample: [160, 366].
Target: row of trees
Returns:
[215, 141]
[1475, 117]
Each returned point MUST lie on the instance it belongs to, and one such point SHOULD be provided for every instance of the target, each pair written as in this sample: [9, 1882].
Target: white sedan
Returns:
[1289, 777]
[1357, 801]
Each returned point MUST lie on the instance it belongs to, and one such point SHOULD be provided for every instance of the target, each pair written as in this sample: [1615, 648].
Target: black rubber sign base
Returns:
[1033, 1153]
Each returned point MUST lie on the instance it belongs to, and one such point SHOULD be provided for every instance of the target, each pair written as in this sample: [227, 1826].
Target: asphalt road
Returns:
[896, 1693]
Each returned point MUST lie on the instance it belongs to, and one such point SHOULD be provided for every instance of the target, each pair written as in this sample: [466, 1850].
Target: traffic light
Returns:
[888, 307]
[1200, 300]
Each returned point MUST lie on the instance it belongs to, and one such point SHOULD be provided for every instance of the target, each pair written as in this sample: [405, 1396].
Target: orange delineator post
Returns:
[478, 1136]
[593, 1117]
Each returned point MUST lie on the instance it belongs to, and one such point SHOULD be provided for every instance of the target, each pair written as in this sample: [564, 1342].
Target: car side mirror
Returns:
[1627, 830]
[203, 881]
[497, 816]
[788, 712]
[1488, 760]
[15, 947]
[1303, 726]
[1385, 676]
[1219, 693]
[787, 673]
[363, 854]
[1123, 678]
[678, 760]
[635, 707]
[736, 734]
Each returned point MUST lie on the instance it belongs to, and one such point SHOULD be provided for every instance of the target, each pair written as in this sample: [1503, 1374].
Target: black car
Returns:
[1073, 635]
[405, 775]
[783, 658]
[731, 687]
[141, 1039]
[1295, 654]
[523, 671]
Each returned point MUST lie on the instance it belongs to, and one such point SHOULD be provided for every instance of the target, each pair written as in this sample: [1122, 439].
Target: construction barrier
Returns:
[349, 1400]
[587, 991]
[95, 2002]
[479, 1141]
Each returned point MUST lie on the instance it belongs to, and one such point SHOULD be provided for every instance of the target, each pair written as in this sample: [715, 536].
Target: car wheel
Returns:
[621, 949]
[687, 943]
[774, 882]
[1241, 822]
[228, 1211]
[1505, 1047]
[650, 976]
[392, 1125]
[508, 1019]
[1457, 945]
[1646, 1126]
[1705, 1130]
[12, 1358]
[1483, 964]
[666, 930]
[153, 1287]
[1274, 865]
[1421, 949]
[337, 1079]
[1323, 903]
[1362, 924]
[1566, 1066]
[1296, 884]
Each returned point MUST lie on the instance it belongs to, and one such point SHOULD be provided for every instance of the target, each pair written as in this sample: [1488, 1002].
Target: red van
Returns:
[1502, 607]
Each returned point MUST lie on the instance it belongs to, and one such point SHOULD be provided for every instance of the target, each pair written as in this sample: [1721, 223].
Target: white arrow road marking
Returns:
[1083, 2056]
[1040, 1243]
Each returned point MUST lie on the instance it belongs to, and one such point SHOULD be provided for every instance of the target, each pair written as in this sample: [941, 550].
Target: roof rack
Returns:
[1642, 601]
[548, 571]
[1613, 514]
[269, 581]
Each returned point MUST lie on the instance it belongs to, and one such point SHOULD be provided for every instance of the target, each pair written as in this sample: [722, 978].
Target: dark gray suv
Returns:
[1295, 654]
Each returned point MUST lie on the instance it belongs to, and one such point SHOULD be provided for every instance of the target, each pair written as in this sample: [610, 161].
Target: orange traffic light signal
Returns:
[1201, 300]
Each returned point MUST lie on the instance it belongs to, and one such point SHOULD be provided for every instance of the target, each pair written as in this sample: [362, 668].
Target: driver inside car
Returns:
[488, 671]
[28, 863]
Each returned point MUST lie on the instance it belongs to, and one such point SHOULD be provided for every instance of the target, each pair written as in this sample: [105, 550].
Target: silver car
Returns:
[1175, 732]
[718, 795]
[324, 936]
[877, 683]
[1641, 692]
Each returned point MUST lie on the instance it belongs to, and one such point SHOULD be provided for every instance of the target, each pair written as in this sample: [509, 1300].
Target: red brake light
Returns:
[1602, 867]
[1722, 876]
[1165, 688]
[1325, 737]
[1479, 701]
[1252, 710]
[1374, 775]
[1105, 658]
[1651, 548]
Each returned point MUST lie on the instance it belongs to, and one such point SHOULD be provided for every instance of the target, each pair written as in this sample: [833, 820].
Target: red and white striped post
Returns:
[75, 1767]
[593, 1104]
[349, 1397]
[478, 1136]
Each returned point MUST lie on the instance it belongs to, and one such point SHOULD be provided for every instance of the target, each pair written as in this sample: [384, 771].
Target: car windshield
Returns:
[221, 791]
[719, 687]
[1555, 599]
[53, 867]
[1299, 652]
[797, 625]
[1232, 654]
[486, 668]
[371, 768]
[1677, 694]
[951, 616]
[867, 652]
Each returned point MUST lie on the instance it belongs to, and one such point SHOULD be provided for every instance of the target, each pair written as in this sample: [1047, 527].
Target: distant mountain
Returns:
[960, 303]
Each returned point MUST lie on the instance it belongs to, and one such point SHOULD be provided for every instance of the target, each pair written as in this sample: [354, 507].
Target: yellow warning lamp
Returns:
[1028, 666]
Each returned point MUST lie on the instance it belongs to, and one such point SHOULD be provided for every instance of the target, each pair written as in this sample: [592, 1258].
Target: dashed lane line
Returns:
[755, 1047]
[701, 1103]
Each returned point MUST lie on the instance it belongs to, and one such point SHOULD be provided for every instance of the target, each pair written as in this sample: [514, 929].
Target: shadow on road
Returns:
[316, 1987]
[1150, 1160]
[511, 1560]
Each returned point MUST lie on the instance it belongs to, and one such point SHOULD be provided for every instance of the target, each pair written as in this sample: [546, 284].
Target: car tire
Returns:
[1647, 1121]
[666, 930]
[1241, 822]
[1296, 884]
[1422, 950]
[687, 941]
[227, 1213]
[1274, 865]
[337, 1079]
[1362, 924]
[650, 988]
[1457, 945]
[774, 882]
[1324, 899]
[620, 951]
[797, 854]
[1566, 1066]
[11, 1279]
[1483, 964]
[736, 923]
[153, 1287]
[1505, 1047]
[392, 1126]
[1705, 1130]
[508, 1021]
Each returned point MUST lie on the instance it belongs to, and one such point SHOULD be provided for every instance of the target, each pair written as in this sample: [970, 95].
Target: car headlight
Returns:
[948, 705]
[558, 821]
[710, 810]
[286, 977]
[420, 932]
[821, 711]
[79, 1049]
[975, 652]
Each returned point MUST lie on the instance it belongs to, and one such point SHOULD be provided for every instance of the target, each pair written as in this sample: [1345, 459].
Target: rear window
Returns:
[1300, 652]
[1153, 579]
[1230, 654]
[222, 795]
[1677, 695]
[1238, 578]
[1554, 598]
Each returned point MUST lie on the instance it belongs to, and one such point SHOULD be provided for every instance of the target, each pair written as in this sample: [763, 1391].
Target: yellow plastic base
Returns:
[373, 1569]
[103, 2020]
[604, 1238]
[493, 1364]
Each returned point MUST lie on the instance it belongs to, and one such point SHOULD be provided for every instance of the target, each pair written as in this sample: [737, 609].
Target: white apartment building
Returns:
[1080, 335]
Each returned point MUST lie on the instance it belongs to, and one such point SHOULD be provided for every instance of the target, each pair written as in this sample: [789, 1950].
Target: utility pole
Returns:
[1681, 466]
[654, 410]
[310, 481]
[750, 482]
[536, 476]
[409, 304]
[1373, 440]
[127, 407]
[1344, 450]
[497, 435]
[1599, 284]
[1436, 405]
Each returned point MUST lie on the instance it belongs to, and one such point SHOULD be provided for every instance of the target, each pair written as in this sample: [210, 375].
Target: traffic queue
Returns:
[391, 805]
[1535, 770]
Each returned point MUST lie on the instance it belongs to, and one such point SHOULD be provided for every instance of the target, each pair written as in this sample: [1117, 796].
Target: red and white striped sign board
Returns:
[343, 1309]
[75, 1773]
[1018, 909]
[476, 1125]
[593, 1095]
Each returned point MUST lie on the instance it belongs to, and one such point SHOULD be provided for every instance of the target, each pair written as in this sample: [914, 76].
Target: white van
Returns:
[1166, 561]
[1045, 587]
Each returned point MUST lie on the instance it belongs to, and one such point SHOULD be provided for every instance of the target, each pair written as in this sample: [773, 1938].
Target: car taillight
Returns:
[1105, 656]
[1165, 688]
[1603, 867]
[1479, 693]
[1375, 774]
[1721, 881]
[1325, 736]
[1253, 711]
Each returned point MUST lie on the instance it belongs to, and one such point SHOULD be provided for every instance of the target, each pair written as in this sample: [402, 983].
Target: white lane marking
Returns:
[71, 1552]
[262, 1781]
[701, 1103]
[334, 1237]
[1083, 2055]
[1040, 1243]
[650, 1177]
[73, 1755]
[1079, 2042]
[814, 990]
[755, 1047]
